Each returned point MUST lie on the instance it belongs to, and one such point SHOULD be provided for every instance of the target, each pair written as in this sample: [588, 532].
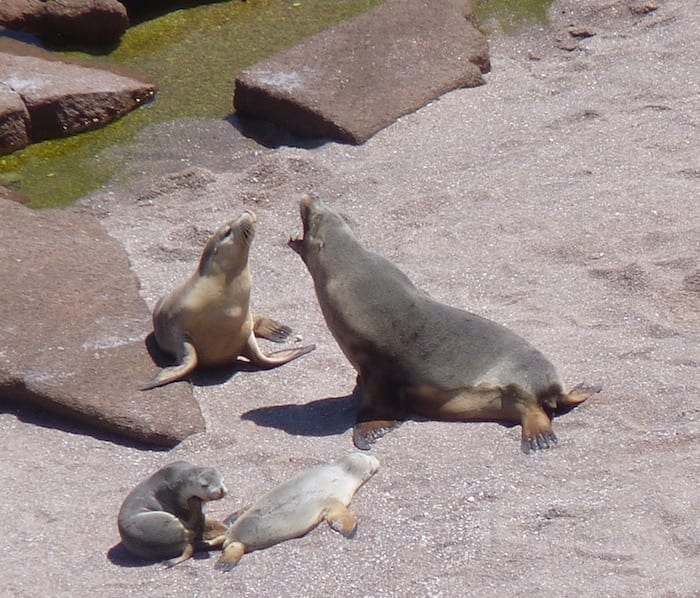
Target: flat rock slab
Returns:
[352, 80]
[92, 21]
[44, 98]
[72, 329]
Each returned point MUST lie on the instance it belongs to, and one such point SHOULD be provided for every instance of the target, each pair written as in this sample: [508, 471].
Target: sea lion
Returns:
[207, 320]
[416, 356]
[162, 517]
[299, 505]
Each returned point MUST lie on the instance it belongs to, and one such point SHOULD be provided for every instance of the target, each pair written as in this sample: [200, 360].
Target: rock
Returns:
[14, 121]
[60, 98]
[91, 21]
[73, 329]
[11, 194]
[352, 80]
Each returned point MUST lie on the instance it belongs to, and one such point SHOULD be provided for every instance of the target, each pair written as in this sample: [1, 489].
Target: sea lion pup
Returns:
[299, 505]
[162, 518]
[207, 320]
[414, 355]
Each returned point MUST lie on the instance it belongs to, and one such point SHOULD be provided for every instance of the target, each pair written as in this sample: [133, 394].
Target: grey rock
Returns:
[73, 327]
[352, 80]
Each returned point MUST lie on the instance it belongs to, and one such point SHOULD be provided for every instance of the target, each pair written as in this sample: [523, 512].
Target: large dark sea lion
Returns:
[207, 320]
[416, 356]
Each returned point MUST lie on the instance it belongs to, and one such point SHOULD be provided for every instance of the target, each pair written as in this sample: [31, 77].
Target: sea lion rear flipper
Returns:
[186, 554]
[253, 352]
[578, 394]
[176, 372]
[230, 556]
[537, 431]
[270, 329]
[341, 519]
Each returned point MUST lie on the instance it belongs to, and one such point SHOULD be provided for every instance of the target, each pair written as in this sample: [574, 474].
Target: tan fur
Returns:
[207, 320]
[297, 506]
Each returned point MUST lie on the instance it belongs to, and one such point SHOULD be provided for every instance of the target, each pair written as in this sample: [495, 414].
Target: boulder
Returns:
[73, 329]
[42, 97]
[14, 121]
[352, 80]
[91, 21]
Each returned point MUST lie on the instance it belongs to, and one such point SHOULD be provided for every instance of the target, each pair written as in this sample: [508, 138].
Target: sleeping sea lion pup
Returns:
[207, 320]
[299, 505]
[414, 355]
[162, 518]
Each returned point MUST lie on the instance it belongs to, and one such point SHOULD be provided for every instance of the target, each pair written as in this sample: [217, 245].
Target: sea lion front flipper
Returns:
[176, 372]
[214, 532]
[376, 416]
[230, 557]
[253, 352]
[341, 519]
[270, 329]
[366, 433]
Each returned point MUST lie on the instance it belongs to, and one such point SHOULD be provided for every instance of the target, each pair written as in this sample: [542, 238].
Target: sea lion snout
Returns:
[306, 205]
[218, 492]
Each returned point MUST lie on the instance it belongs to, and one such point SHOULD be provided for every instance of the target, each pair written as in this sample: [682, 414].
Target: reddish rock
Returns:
[12, 195]
[350, 81]
[14, 120]
[60, 98]
[73, 329]
[92, 21]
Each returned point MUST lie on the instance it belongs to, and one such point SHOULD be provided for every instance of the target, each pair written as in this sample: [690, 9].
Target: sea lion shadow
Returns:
[118, 555]
[324, 417]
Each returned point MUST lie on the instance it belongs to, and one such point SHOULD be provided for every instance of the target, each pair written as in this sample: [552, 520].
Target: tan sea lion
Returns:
[207, 320]
[299, 505]
[162, 517]
[414, 355]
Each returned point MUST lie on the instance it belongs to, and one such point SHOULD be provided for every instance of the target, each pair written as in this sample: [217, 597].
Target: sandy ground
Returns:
[560, 199]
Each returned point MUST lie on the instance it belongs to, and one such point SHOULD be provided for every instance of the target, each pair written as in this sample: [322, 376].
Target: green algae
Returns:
[195, 54]
[510, 16]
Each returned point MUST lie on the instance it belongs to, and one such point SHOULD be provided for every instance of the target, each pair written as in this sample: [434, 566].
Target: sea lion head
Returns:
[361, 465]
[317, 220]
[209, 484]
[228, 248]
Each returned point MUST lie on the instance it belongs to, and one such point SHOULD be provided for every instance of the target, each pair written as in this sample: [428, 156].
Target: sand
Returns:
[560, 199]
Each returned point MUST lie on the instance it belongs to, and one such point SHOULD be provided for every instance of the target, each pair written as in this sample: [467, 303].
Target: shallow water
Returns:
[195, 55]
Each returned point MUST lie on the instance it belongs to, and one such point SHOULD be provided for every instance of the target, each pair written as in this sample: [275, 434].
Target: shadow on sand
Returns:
[325, 417]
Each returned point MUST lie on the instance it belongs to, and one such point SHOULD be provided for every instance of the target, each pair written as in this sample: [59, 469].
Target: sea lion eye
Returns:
[228, 233]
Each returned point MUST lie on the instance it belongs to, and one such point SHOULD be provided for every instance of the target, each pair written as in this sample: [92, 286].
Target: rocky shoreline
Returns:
[559, 199]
